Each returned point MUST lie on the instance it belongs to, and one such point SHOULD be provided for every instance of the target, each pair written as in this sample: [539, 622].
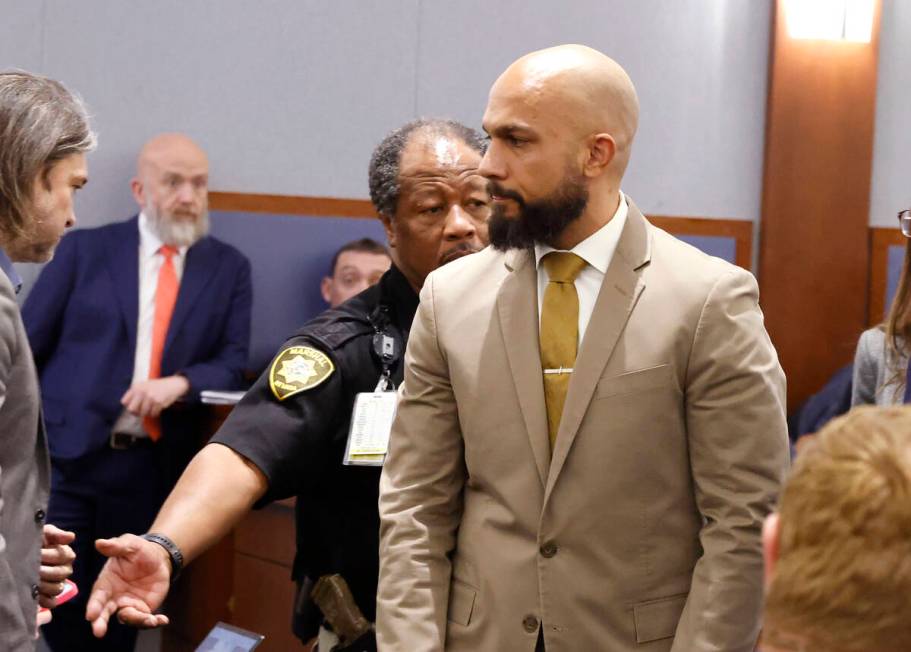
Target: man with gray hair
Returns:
[128, 324]
[44, 136]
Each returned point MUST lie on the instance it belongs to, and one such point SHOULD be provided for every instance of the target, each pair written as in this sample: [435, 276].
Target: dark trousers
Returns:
[539, 646]
[101, 495]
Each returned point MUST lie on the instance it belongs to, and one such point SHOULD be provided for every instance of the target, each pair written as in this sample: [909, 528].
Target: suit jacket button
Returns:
[39, 516]
[530, 623]
[549, 549]
[34, 591]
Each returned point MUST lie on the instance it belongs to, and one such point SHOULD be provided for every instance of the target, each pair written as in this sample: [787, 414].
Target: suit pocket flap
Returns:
[657, 619]
[634, 381]
[461, 602]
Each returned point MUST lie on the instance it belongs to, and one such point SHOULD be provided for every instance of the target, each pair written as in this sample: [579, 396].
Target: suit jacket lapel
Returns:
[123, 266]
[518, 312]
[620, 290]
[198, 270]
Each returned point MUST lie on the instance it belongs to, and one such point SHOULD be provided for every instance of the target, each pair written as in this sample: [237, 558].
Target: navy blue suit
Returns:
[81, 321]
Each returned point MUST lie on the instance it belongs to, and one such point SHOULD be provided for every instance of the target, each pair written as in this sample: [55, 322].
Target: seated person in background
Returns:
[838, 552]
[881, 361]
[355, 267]
[126, 320]
[832, 400]
[288, 435]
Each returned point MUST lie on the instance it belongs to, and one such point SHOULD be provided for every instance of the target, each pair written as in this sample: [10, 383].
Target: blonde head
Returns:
[842, 579]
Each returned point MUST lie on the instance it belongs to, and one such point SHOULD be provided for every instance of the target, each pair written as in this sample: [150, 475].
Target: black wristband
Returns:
[172, 550]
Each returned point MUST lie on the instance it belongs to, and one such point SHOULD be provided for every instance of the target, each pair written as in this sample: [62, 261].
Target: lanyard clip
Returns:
[385, 383]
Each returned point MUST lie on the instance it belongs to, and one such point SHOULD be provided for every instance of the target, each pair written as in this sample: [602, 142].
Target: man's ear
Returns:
[601, 151]
[770, 540]
[325, 288]
[388, 227]
[138, 191]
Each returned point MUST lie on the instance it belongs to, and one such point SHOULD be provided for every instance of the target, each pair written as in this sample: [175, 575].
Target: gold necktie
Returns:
[559, 332]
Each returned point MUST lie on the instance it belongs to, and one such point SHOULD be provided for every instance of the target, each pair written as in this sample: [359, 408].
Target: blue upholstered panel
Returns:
[894, 270]
[289, 256]
[723, 247]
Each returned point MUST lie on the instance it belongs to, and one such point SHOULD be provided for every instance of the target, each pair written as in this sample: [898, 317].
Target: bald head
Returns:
[561, 123]
[169, 150]
[171, 187]
[588, 91]
[592, 85]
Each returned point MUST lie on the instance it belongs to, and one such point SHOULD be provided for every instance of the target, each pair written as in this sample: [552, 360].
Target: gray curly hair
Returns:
[41, 122]
[383, 174]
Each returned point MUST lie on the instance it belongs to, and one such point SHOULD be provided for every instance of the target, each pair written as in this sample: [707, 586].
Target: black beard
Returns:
[538, 222]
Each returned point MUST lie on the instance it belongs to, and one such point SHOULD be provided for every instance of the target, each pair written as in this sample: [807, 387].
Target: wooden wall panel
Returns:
[813, 258]
[740, 230]
[263, 597]
[290, 205]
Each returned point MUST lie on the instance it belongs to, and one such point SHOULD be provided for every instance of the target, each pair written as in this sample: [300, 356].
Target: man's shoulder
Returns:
[96, 240]
[667, 245]
[341, 327]
[483, 267]
[8, 309]
[6, 287]
[111, 228]
[94, 233]
[223, 249]
[689, 263]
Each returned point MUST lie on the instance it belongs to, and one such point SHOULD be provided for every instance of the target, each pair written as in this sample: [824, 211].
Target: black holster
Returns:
[306, 618]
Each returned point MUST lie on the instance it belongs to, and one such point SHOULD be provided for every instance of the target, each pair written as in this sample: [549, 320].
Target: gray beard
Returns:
[178, 233]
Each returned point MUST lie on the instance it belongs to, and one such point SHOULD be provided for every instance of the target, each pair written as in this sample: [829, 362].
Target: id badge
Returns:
[371, 423]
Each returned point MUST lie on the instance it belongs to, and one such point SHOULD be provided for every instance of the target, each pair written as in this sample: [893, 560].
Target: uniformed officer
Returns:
[293, 433]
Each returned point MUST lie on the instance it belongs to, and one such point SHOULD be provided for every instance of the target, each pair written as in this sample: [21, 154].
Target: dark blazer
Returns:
[24, 479]
[81, 321]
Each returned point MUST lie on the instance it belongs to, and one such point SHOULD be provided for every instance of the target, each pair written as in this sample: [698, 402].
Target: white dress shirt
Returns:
[150, 262]
[597, 250]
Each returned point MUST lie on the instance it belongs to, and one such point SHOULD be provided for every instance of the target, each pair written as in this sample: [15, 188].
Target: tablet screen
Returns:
[227, 638]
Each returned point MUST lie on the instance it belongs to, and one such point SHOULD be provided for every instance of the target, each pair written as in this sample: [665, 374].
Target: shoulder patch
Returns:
[297, 369]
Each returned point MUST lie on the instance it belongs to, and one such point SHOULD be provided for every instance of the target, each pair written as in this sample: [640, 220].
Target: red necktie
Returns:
[165, 298]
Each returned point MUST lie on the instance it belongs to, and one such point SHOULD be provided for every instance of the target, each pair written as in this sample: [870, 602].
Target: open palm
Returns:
[132, 584]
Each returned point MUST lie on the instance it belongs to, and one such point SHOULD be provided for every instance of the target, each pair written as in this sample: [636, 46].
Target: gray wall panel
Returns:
[891, 183]
[21, 34]
[700, 69]
[290, 96]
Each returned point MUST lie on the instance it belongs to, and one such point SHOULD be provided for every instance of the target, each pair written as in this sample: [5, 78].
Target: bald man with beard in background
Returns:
[128, 323]
[534, 498]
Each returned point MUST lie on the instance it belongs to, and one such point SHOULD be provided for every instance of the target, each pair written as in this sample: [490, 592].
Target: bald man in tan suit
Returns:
[609, 501]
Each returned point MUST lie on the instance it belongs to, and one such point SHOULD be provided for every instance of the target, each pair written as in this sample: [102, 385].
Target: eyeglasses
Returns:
[904, 221]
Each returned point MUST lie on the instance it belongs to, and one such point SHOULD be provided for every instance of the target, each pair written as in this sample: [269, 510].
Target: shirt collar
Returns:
[149, 242]
[7, 266]
[598, 248]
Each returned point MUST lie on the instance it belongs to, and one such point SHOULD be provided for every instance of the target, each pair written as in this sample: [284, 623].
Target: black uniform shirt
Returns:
[299, 442]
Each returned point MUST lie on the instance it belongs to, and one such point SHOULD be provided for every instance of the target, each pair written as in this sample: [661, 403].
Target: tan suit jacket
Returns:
[24, 479]
[642, 532]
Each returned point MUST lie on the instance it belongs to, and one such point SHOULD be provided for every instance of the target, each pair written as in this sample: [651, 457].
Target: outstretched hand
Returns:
[132, 584]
